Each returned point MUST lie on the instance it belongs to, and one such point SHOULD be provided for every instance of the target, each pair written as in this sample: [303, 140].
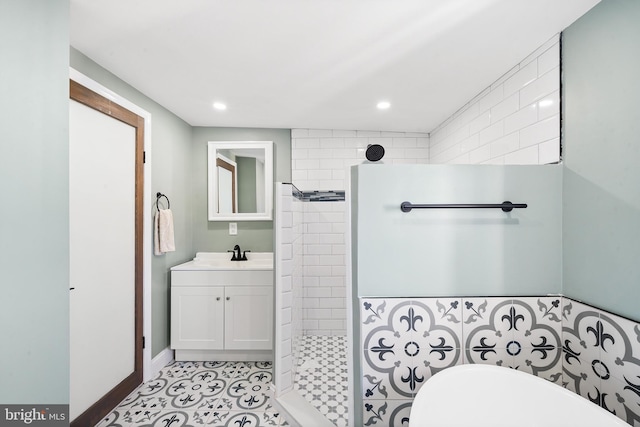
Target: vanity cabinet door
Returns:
[248, 318]
[197, 318]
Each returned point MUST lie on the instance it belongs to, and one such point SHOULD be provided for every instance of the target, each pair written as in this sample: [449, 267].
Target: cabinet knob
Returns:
[217, 298]
[228, 298]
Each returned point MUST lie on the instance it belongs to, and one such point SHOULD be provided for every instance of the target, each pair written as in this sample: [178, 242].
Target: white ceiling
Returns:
[320, 64]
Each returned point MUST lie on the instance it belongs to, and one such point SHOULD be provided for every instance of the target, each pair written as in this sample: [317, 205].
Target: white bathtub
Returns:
[491, 396]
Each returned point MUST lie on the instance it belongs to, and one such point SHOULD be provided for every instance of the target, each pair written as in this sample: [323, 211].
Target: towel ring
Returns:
[159, 195]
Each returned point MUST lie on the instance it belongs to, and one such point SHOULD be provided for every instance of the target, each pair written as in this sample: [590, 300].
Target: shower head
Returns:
[374, 152]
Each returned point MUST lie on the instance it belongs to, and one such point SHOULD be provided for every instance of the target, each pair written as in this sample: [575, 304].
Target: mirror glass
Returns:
[240, 181]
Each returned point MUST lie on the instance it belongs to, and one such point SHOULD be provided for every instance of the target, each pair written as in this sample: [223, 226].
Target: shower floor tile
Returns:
[189, 394]
[322, 376]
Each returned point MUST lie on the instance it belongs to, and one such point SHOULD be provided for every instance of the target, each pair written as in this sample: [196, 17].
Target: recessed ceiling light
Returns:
[383, 105]
[219, 106]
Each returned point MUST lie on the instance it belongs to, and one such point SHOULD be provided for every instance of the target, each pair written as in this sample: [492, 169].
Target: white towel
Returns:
[163, 232]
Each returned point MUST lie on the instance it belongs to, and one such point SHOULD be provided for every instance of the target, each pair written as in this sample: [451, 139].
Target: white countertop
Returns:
[222, 261]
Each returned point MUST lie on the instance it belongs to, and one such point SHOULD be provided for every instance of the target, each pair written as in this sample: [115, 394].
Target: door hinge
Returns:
[143, 342]
[144, 157]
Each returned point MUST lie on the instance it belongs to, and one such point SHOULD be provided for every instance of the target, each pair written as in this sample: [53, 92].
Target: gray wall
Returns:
[179, 170]
[213, 236]
[170, 162]
[34, 188]
[246, 184]
[464, 252]
[601, 218]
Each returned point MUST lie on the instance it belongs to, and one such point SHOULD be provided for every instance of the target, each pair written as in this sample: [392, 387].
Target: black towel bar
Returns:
[159, 195]
[505, 206]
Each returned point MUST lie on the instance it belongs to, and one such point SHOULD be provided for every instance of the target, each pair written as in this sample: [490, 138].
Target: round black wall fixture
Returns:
[374, 152]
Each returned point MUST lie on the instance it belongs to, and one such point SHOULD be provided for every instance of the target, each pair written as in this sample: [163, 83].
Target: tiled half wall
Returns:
[288, 295]
[406, 341]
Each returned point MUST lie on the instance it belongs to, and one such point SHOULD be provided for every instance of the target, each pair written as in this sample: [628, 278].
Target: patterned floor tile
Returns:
[114, 419]
[192, 394]
[244, 395]
[321, 376]
[179, 418]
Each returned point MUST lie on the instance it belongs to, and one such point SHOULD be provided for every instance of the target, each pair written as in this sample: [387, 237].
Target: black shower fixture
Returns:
[374, 152]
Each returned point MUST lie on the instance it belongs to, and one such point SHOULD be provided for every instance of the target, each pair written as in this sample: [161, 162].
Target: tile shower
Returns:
[312, 361]
[513, 121]
[320, 161]
[322, 376]
[311, 237]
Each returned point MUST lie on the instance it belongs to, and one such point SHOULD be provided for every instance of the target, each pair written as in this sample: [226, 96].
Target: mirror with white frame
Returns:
[240, 180]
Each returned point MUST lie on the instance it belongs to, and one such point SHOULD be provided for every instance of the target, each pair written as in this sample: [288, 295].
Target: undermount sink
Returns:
[222, 261]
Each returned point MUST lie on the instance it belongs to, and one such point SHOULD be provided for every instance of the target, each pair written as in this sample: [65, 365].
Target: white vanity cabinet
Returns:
[221, 314]
[248, 318]
[197, 317]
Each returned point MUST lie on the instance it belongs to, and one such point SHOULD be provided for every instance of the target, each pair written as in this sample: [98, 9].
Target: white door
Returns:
[248, 318]
[103, 230]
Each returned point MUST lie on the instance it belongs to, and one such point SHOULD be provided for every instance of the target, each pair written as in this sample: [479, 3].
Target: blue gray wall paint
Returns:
[448, 252]
[179, 162]
[34, 224]
[213, 236]
[171, 166]
[601, 211]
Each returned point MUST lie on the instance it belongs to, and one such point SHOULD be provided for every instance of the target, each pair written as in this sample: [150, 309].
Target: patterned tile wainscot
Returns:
[601, 359]
[406, 341]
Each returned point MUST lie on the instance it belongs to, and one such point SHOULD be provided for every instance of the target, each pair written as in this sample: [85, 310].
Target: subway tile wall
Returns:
[289, 295]
[297, 209]
[284, 374]
[320, 158]
[321, 161]
[516, 120]
[324, 277]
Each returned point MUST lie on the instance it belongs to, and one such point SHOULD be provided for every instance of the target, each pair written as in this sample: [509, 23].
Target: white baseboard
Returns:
[157, 363]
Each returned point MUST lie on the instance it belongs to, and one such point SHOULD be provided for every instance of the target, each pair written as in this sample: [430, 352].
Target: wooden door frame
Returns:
[102, 407]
